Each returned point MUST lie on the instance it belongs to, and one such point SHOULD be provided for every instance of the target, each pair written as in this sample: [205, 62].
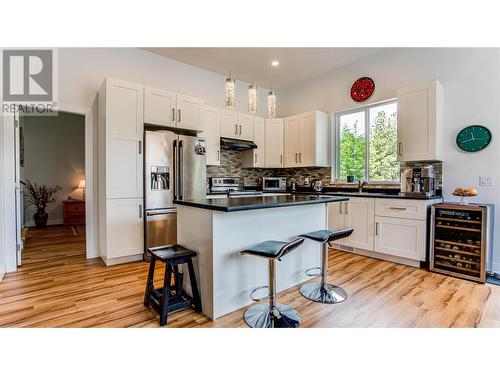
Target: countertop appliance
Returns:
[174, 168]
[461, 240]
[230, 186]
[274, 184]
[317, 185]
[419, 181]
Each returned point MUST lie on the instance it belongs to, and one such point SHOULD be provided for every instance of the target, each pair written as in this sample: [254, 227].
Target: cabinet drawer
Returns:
[75, 208]
[402, 208]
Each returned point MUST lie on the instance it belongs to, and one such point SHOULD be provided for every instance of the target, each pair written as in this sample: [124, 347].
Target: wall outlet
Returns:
[306, 181]
[486, 180]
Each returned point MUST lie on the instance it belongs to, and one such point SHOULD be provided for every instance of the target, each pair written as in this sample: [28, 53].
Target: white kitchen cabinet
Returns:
[124, 227]
[360, 215]
[120, 170]
[229, 124]
[189, 112]
[256, 158]
[420, 122]
[306, 140]
[123, 126]
[159, 107]
[400, 237]
[167, 108]
[245, 127]
[211, 133]
[337, 218]
[274, 143]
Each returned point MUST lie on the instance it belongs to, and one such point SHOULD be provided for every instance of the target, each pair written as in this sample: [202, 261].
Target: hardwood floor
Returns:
[57, 287]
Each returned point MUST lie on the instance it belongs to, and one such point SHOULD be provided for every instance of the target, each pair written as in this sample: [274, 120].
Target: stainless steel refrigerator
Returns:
[174, 168]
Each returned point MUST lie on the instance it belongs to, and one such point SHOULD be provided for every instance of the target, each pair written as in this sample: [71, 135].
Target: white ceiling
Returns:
[296, 64]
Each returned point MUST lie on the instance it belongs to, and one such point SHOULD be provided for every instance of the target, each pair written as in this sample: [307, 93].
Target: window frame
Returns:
[336, 141]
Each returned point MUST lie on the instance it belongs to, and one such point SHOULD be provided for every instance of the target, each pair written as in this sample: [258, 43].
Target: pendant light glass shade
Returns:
[252, 98]
[229, 93]
[271, 104]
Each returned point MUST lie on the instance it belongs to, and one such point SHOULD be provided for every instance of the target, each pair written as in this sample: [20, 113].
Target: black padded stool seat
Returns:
[273, 249]
[272, 314]
[171, 297]
[322, 291]
[327, 235]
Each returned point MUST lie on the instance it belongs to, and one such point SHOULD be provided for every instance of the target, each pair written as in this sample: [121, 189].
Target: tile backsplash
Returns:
[231, 166]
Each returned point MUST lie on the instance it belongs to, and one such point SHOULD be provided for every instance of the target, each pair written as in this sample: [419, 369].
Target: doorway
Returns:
[50, 201]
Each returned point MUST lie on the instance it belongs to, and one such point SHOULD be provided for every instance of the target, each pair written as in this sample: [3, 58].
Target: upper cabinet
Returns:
[420, 122]
[211, 119]
[166, 108]
[256, 158]
[306, 140]
[274, 143]
[236, 125]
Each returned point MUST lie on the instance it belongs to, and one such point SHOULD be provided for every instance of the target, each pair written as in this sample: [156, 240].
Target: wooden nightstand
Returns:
[74, 212]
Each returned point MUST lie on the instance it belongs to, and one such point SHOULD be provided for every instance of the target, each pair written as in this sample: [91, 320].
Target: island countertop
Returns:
[255, 203]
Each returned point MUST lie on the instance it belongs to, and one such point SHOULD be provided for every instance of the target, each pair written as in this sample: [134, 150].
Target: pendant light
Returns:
[252, 98]
[271, 104]
[229, 92]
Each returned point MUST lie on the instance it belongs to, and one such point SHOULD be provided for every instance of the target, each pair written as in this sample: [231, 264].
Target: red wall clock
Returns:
[362, 89]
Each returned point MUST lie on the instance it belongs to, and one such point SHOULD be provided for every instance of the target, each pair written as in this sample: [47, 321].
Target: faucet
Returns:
[362, 185]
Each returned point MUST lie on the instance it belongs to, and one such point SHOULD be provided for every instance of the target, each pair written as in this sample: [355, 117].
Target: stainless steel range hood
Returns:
[236, 144]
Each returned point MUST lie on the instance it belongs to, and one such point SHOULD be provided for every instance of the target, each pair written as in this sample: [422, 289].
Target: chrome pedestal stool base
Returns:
[324, 293]
[263, 316]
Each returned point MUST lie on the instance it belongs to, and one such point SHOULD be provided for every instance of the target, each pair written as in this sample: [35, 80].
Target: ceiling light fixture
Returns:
[271, 104]
[229, 92]
[275, 63]
[252, 98]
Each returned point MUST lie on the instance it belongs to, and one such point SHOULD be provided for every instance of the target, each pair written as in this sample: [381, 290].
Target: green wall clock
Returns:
[473, 138]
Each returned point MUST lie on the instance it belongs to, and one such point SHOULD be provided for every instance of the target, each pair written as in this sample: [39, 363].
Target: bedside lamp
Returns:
[81, 185]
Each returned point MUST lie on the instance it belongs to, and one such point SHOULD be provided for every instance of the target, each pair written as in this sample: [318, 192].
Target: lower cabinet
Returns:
[360, 215]
[124, 229]
[400, 237]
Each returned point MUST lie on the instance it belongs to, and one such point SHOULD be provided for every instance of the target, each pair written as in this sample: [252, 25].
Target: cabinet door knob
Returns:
[399, 148]
[377, 227]
[140, 211]
[347, 208]
[173, 114]
[140, 147]
[300, 157]
[236, 129]
[179, 111]
[218, 155]
[240, 129]
[296, 158]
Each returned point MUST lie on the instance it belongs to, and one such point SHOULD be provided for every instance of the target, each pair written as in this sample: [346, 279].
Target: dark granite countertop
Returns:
[366, 194]
[255, 203]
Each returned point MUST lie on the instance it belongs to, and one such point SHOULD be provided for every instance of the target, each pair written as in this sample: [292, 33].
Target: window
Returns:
[367, 143]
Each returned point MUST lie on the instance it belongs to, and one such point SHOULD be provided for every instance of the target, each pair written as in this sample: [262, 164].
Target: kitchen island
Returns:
[219, 228]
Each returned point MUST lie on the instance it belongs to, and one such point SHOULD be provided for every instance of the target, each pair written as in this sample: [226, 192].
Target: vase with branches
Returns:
[40, 196]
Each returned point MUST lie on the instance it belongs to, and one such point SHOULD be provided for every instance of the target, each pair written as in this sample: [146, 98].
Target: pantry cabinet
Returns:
[166, 108]
[256, 158]
[306, 140]
[420, 122]
[274, 143]
[120, 170]
[211, 133]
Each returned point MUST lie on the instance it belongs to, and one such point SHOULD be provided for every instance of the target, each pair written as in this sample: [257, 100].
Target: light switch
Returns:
[486, 180]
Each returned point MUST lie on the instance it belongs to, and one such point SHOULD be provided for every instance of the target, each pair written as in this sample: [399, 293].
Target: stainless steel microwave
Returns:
[274, 183]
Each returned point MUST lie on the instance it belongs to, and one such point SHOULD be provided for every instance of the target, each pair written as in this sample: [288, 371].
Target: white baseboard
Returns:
[372, 254]
[31, 223]
[121, 260]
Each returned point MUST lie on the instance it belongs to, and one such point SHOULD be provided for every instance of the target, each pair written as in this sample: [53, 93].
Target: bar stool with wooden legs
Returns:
[322, 291]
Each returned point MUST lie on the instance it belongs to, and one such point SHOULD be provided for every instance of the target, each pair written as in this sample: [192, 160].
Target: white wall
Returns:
[471, 79]
[2, 210]
[82, 71]
[54, 154]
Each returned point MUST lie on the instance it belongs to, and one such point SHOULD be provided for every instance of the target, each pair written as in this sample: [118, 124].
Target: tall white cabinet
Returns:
[420, 122]
[306, 140]
[120, 170]
[256, 158]
[274, 143]
[211, 132]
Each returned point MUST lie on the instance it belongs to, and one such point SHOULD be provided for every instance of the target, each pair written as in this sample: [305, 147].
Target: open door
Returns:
[18, 189]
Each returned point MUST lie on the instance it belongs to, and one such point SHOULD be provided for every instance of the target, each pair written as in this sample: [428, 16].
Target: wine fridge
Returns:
[461, 240]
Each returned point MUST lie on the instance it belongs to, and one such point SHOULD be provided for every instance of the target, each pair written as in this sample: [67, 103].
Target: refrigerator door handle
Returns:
[175, 169]
[181, 166]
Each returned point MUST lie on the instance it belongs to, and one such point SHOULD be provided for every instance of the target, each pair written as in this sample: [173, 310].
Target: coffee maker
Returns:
[419, 181]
